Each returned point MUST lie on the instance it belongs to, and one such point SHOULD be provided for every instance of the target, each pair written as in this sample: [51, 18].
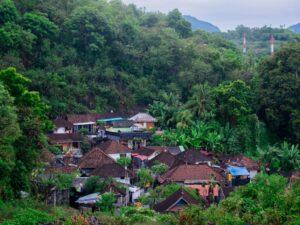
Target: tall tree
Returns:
[33, 122]
[279, 92]
[9, 132]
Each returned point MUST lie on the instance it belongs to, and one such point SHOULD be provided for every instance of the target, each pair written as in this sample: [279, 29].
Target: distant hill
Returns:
[201, 25]
[295, 28]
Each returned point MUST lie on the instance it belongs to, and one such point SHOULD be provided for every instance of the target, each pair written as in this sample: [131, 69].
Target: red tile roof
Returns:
[170, 202]
[193, 156]
[111, 170]
[189, 173]
[65, 138]
[95, 158]
[61, 169]
[164, 157]
[113, 147]
[92, 117]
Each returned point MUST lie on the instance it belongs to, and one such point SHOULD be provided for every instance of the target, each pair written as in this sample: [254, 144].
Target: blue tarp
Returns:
[238, 171]
[111, 119]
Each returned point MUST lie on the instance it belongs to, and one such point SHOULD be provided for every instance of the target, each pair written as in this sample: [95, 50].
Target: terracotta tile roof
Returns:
[91, 117]
[111, 170]
[193, 156]
[61, 169]
[94, 158]
[170, 202]
[113, 147]
[122, 124]
[60, 122]
[65, 138]
[164, 157]
[146, 151]
[188, 173]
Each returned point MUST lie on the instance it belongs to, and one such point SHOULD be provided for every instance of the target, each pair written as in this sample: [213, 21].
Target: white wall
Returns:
[60, 130]
[123, 181]
[253, 173]
[117, 156]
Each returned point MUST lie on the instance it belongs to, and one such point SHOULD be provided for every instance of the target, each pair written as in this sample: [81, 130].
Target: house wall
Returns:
[253, 173]
[60, 130]
[137, 194]
[123, 181]
[147, 125]
[117, 156]
[90, 126]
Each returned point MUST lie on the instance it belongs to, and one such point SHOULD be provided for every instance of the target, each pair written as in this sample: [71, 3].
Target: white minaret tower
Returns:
[272, 41]
[244, 44]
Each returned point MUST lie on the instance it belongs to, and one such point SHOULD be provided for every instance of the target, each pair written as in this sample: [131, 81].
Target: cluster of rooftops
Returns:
[207, 173]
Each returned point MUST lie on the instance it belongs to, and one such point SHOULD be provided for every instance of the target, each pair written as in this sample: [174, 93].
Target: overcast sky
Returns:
[227, 14]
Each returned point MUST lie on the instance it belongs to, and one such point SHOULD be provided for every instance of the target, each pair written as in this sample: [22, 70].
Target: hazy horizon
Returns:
[227, 14]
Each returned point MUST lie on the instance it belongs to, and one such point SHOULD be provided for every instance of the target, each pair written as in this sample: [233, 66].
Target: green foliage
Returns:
[107, 201]
[145, 177]
[95, 184]
[32, 121]
[279, 92]
[285, 157]
[159, 168]
[264, 201]
[124, 161]
[39, 25]
[201, 103]
[8, 12]
[56, 150]
[233, 102]
[181, 26]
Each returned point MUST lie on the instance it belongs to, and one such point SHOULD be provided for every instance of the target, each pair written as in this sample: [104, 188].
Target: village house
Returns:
[176, 202]
[121, 194]
[208, 181]
[165, 158]
[68, 142]
[93, 159]
[141, 156]
[133, 139]
[97, 163]
[89, 122]
[190, 174]
[115, 149]
[241, 161]
[145, 120]
[62, 126]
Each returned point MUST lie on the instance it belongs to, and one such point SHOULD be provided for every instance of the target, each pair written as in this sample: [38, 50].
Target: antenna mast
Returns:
[244, 44]
[272, 41]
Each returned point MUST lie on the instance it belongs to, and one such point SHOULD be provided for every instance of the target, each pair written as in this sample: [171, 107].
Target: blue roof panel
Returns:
[238, 171]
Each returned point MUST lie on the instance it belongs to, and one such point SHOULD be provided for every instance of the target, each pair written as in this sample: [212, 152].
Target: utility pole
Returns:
[272, 41]
[244, 44]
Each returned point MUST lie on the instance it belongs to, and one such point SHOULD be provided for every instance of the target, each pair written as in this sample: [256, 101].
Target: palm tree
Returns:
[201, 104]
[289, 157]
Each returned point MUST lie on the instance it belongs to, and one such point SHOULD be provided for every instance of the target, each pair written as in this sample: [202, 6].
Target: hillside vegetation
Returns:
[81, 56]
